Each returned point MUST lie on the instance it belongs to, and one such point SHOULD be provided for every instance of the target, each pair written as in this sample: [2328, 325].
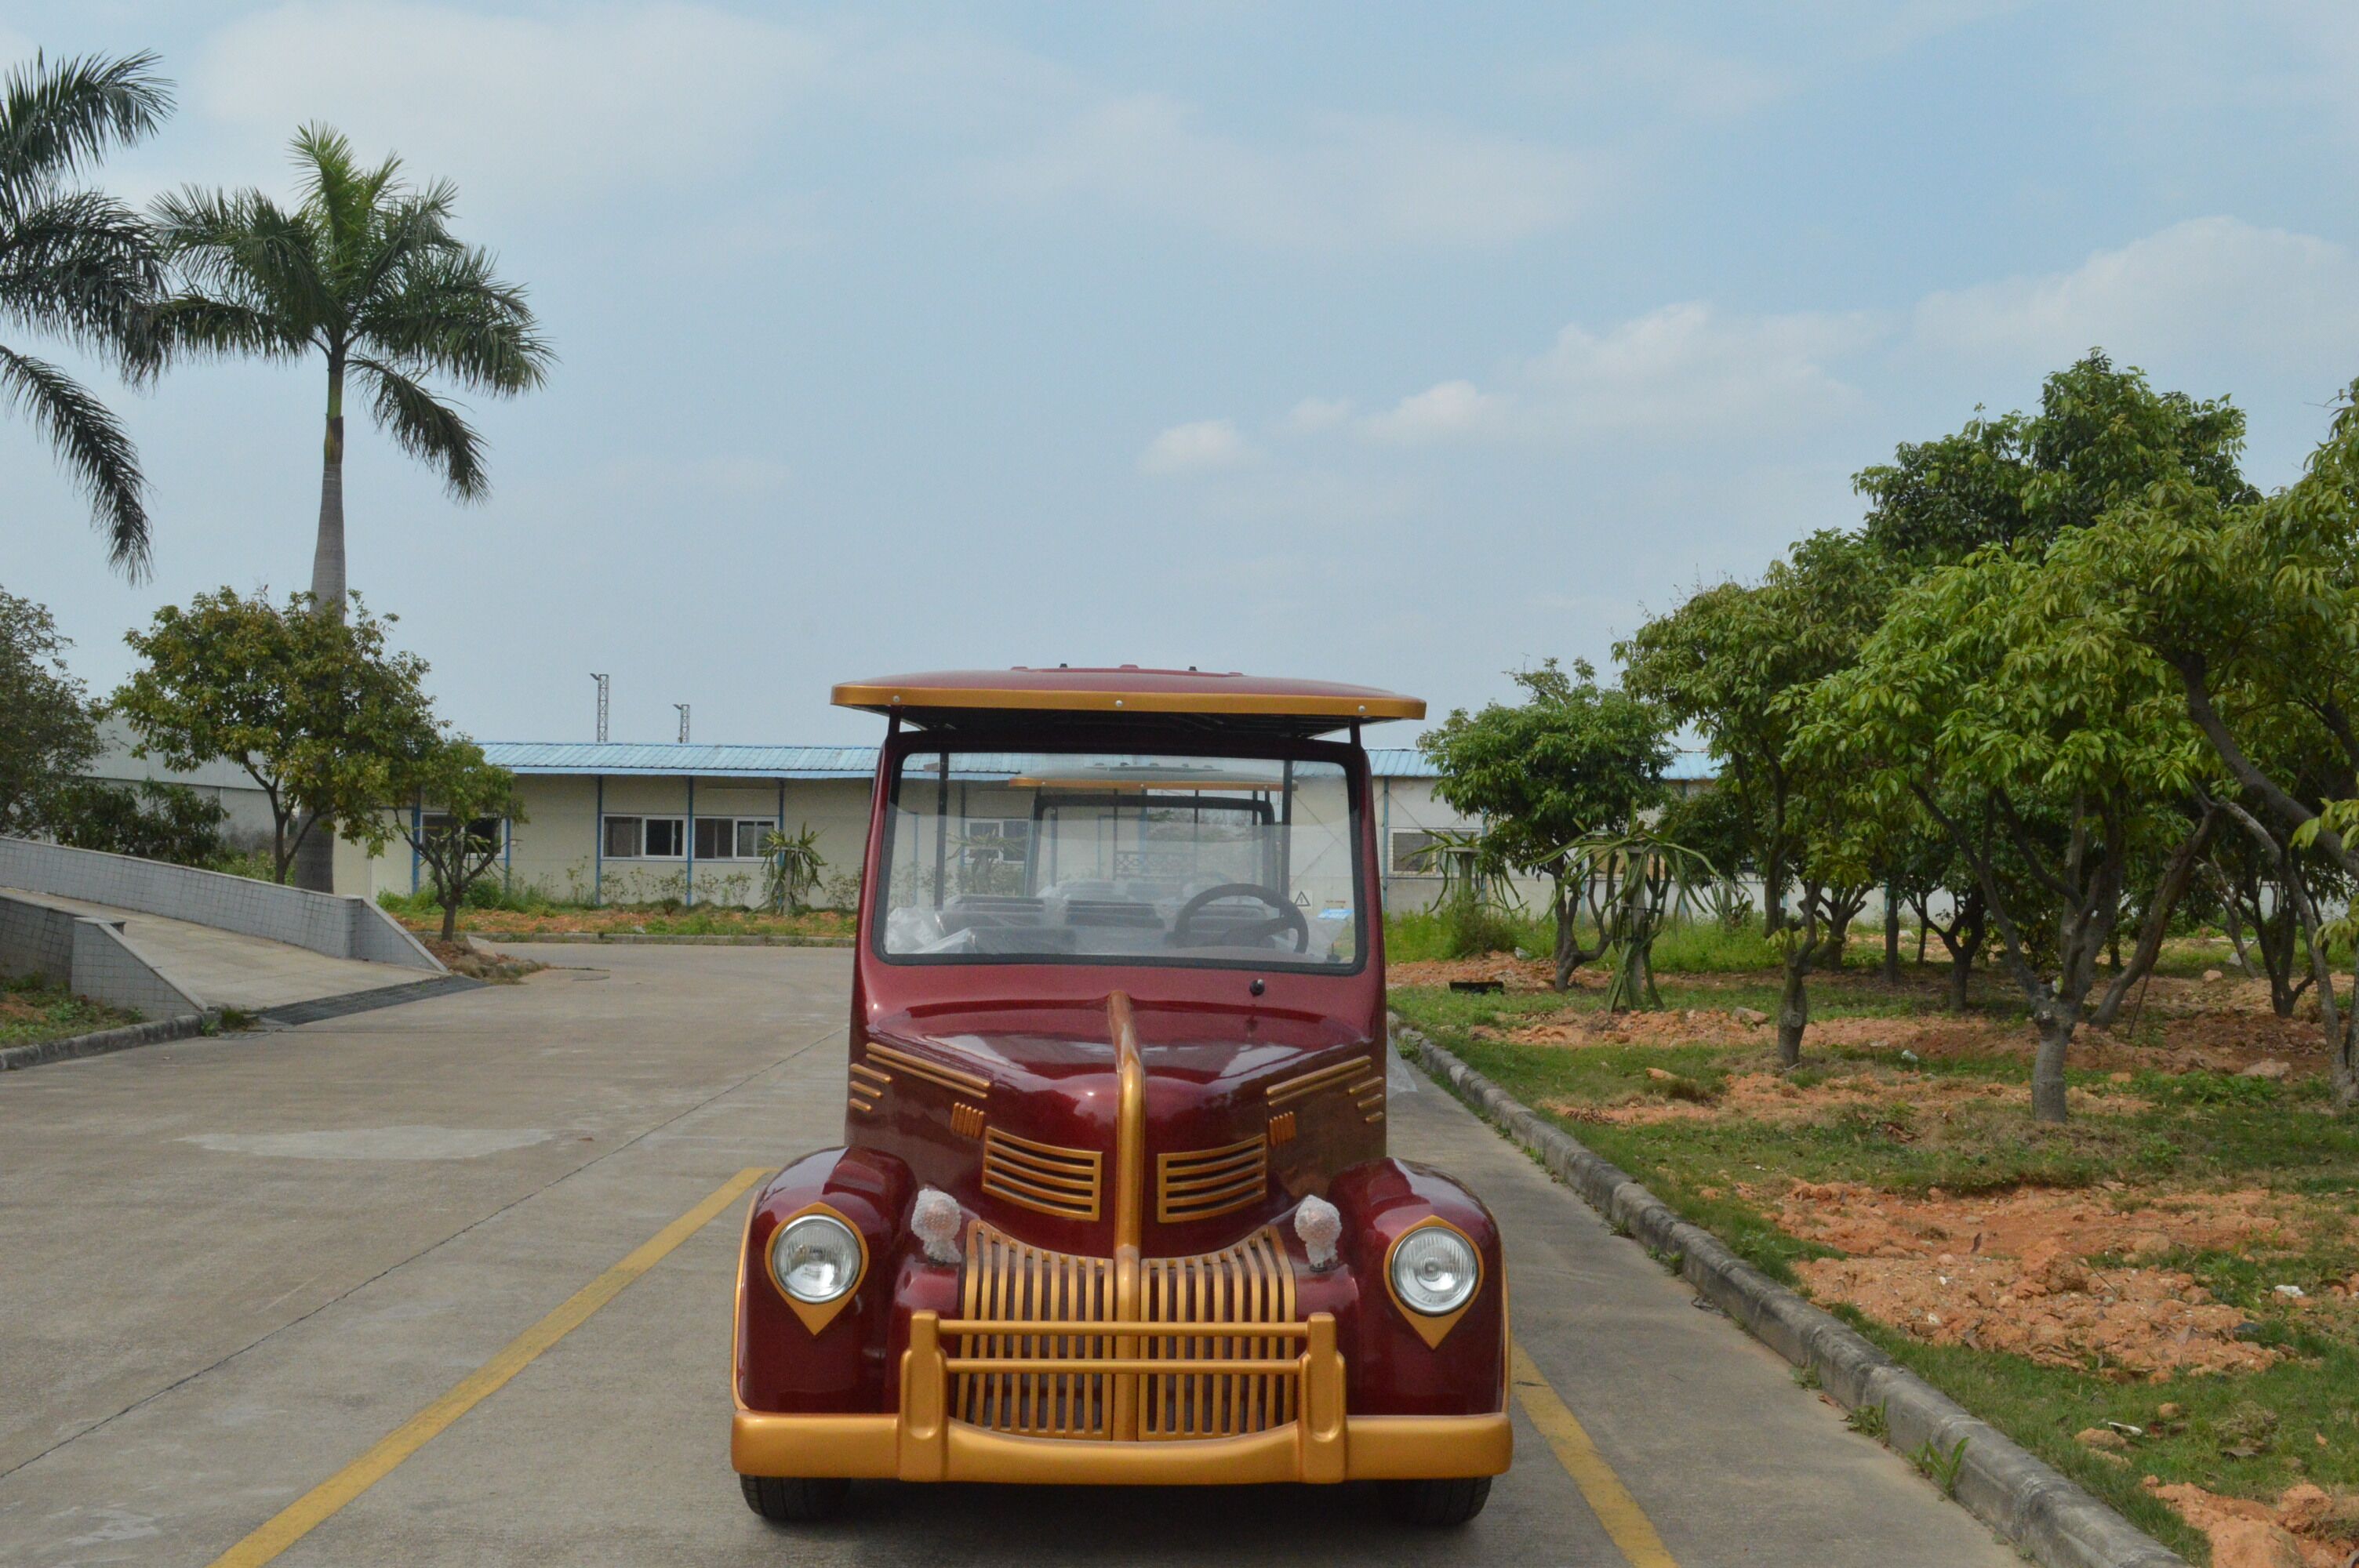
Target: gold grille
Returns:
[1041, 1176]
[1202, 1183]
[1241, 1286]
[967, 1120]
[1281, 1128]
[932, 1072]
[1335, 1076]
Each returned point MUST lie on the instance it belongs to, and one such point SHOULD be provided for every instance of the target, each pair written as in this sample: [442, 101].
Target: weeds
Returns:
[1868, 1422]
[1937, 1467]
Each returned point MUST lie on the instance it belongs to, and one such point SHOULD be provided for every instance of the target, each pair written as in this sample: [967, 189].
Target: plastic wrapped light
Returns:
[1319, 1225]
[815, 1259]
[936, 1219]
[1434, 1270]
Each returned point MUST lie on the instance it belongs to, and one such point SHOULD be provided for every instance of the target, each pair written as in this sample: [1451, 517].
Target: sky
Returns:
[1399, 344]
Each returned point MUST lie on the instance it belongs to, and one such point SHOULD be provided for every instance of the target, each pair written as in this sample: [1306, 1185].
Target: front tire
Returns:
[797, 1499]
[1438, 1504]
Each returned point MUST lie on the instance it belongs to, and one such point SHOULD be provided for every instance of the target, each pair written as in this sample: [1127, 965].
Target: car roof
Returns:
[950, 699]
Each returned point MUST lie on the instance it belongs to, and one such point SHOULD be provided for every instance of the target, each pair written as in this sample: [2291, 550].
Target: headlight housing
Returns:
[815, 1259]
[1434, 1270]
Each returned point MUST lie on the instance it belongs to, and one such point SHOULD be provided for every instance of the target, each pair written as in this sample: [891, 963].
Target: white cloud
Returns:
[1443, 412]
[1315, 414]
[1349, 181]
[517, 107]
[2213, 291]
[1683, 371]
[1202, 446]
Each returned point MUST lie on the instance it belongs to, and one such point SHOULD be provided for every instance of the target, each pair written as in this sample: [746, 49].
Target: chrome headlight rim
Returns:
[1413, 1298]
[822, 1224]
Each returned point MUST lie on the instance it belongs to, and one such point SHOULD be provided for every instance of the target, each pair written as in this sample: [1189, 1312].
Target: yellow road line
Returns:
[1632, 1531]
[314, 1507]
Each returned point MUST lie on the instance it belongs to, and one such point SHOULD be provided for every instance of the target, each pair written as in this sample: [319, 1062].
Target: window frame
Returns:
[605, 826]
[1351, 758]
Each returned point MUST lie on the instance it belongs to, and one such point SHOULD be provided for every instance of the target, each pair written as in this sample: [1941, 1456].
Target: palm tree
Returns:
[79, 265]
[364, 271]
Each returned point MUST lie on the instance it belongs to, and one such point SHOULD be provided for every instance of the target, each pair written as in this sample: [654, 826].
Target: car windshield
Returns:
[1042, 856]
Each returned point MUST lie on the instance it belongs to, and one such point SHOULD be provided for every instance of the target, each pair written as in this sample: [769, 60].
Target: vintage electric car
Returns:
[1113, 1203]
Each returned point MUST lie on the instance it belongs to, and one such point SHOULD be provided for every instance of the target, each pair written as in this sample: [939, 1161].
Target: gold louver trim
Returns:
[967, 1120]
[1281, 1128]
[1042, 1176]
[1333, 1076]
[1221, 1295]
[932, 1072]
[1369, 1096]
[1202, 1183]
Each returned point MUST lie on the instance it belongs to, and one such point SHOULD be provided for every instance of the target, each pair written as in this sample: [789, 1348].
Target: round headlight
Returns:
[815, 1259]
[1434, 1270]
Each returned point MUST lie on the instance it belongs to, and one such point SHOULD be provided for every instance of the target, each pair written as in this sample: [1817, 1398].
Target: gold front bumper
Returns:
[926, 1442]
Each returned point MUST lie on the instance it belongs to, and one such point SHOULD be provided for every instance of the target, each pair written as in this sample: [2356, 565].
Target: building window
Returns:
[645, 838]
[730, 837]
[1413, 853]
[483, 834]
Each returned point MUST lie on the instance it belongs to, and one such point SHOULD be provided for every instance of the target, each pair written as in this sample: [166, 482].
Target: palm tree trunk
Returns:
[328, 556]
[315, 860]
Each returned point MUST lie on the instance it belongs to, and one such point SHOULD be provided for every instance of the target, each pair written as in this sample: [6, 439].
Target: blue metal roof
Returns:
[672, 759]
[676, 761]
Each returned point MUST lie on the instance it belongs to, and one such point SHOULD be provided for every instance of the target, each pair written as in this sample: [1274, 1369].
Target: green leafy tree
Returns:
[364, 272]
[1573, 759]
[1735, 661]
[48, 734]
[2251, 609]
[449, 804]
[2101, 438]
[78, 264]
[151, 819]
[314, 709]
[1997, 678]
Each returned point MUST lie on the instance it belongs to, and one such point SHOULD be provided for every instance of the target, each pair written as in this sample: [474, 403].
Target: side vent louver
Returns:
[1202, 1183]
[1042, 1177]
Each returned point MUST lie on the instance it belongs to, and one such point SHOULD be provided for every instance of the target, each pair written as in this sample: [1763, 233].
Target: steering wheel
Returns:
[1287, 918]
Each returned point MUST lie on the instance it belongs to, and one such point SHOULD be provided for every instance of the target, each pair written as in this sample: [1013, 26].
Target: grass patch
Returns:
[525, 912]
[32, 1011]
[2248, 1434]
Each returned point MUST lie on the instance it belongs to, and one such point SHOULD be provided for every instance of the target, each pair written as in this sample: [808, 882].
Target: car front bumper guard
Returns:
[923, 1441]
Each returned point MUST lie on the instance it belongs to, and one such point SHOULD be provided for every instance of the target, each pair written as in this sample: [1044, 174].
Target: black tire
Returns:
[1437, 1503]
[795, 1499]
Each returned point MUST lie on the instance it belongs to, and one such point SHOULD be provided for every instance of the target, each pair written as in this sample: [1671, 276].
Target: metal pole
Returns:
[598, 848]
[602, 705]
[683, 721]
[690, 846]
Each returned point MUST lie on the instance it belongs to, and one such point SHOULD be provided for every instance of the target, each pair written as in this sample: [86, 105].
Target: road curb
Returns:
[657, 940]
[99, 1042]
[2030, 1504]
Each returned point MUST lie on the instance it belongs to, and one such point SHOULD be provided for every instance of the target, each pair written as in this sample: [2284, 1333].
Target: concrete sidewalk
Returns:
[226, 969]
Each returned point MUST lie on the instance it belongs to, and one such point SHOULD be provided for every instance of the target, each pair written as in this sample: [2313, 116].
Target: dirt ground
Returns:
[2013, 1272]
[2306, 1527]
[2197, 1031]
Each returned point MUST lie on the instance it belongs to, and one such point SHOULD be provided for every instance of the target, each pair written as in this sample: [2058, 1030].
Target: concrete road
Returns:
[230, 1269]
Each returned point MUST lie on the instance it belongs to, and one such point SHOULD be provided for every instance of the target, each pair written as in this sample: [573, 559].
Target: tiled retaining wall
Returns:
[341, 927]
[88, 956]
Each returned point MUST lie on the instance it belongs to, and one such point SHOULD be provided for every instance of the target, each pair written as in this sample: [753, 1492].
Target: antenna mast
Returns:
[683, 721]
[602, 703]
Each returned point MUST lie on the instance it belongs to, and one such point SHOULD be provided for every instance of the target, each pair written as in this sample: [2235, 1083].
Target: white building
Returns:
[623, 822]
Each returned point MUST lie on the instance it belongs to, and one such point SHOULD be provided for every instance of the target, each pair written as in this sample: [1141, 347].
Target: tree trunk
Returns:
[2055, 1022]
[1567, 950]
[1794, 1007]
[2167, 891]
[328, 554]
[1891, 937]
[1961, 975]
[315, 857]
[450, 918]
